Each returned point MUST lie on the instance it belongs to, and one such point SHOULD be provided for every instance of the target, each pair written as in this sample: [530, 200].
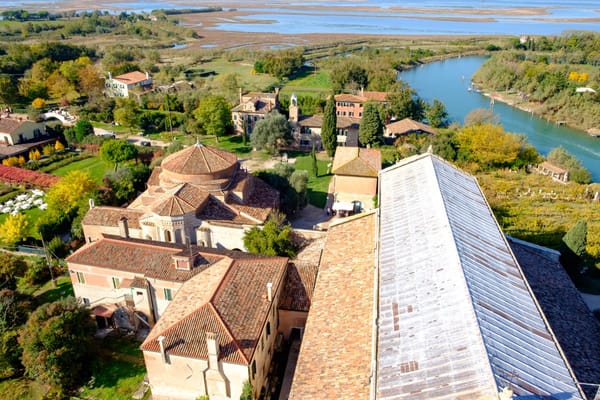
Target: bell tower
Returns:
[294, 111]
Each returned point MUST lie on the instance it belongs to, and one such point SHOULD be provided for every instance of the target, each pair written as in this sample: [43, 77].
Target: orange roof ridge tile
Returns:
[234, 340]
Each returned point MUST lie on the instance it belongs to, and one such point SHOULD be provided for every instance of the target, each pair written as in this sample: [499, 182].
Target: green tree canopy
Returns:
[58, 344]
[404, 103]
[271, 133]
[371, 127]
[83, 128]
[117, 151]
[436, 114]
[271, 240]
[11, 268]
[573, 247]
[126, 113]
[214, 113]
[562, 158]
[328, 129]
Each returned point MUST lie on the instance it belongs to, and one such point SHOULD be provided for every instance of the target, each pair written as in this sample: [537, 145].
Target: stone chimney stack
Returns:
[147, 75]
[270, 291]
[123, 228]
[161, 340]
[213, 350]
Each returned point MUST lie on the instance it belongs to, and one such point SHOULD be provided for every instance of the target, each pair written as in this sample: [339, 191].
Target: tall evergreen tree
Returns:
[328, 130]
[371, 127]
[573, 247]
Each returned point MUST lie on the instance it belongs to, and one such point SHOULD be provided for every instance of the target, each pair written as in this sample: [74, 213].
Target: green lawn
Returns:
[309, 82]
[94, 165]
[119, 370]
[249, 81]
[317, 187]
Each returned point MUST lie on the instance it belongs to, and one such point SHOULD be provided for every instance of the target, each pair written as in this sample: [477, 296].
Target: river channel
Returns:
[449, 80]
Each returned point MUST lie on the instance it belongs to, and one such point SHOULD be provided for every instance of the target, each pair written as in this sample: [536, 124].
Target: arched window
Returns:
[167, 236]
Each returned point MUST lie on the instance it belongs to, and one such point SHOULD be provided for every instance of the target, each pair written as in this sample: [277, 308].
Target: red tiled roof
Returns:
[131, 77]
[261, 201]
[351, 98]
[299, 287]
[407, 125]
[335, 356]
[10, 125]
[144, 257]
[199, 160]
[356, 161]
[362, 97]
[110, 216]
[375, 96]
[186, 199]
[232, 303]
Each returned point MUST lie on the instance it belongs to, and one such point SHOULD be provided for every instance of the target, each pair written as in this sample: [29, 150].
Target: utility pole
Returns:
[48, 261]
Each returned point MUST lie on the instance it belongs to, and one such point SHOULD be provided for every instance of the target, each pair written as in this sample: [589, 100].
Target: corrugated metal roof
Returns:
[456, 317]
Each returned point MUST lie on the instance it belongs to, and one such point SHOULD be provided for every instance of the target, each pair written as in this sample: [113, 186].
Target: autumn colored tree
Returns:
[38, 103]
[48, 150]
[328, 129]
[65, 196]
[488, 145]
[58, 146]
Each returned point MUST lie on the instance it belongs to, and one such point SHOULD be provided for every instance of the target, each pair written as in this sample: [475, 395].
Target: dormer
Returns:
[183, 262]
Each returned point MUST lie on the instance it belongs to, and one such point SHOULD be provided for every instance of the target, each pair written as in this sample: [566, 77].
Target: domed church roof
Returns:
[198, 164]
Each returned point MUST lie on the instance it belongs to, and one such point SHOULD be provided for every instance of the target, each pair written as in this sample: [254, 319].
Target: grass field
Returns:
[94, 165]
[317, 186]
[248, 80]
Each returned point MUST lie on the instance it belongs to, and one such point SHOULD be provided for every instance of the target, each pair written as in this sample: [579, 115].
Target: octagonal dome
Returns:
[198, 164]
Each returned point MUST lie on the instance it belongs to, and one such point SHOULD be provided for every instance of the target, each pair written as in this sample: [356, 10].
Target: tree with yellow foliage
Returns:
[488, 145]
[14, 229]
[21, 160]
[11, 161]
[48, 150]
[34, 154]
[65, 196]
[38, 103]
[58, 146]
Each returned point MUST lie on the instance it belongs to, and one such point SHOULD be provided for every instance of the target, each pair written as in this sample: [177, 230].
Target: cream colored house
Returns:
[122, 85]
[252, 107]
[355, 172]
[219, 332]
[198, 195]
[17, 131]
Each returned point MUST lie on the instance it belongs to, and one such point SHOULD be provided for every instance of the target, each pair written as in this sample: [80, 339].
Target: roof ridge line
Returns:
[234, 340]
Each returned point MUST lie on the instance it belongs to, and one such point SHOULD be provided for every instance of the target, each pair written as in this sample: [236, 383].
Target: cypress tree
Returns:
[371, 127]
[328, 130]
[573, 252]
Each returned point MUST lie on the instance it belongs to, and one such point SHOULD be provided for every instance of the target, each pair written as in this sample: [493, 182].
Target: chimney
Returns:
[147, 75]
[505, 394]
[362, 91]
[110, 75]
[91, 203]
[213, 350]
[123, 228]
[270, 291]
[161, 340]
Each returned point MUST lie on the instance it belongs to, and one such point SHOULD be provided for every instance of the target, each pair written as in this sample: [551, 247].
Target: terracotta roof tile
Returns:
[214, 210]
[299, 287]
[332, 365]
[144, 257]
[564, 308]
[199, 160]
[229, 299]
[186, 199]
[407, 125]
[131, 77]
[10, 125]
[110, 216]
[261, 201]
[356, 161]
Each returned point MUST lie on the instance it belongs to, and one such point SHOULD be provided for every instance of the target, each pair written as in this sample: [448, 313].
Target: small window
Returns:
[138, 293]
[168, 294]
[116, 282]
[80, 277]
[268, 328]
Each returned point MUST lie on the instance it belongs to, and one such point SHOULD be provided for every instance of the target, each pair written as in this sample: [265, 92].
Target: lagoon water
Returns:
[448, 82]
[378, 17]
